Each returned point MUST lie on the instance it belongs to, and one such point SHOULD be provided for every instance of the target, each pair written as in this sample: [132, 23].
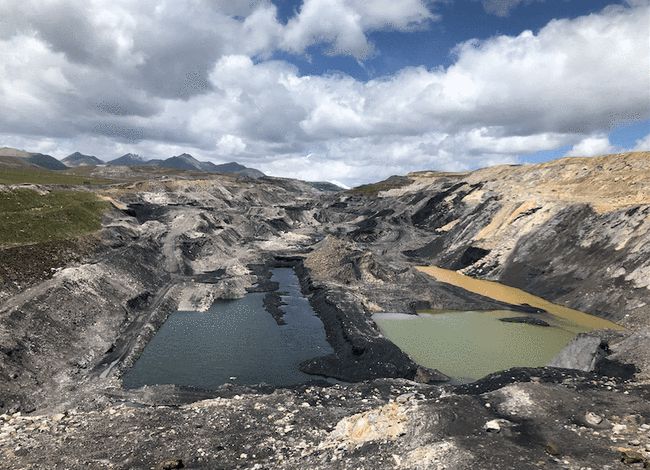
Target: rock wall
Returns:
[574, 231]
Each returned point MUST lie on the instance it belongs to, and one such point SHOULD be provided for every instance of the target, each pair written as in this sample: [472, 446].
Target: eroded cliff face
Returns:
[574, 231]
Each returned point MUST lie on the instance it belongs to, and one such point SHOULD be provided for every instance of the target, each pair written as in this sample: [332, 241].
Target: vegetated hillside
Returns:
[43, 229]
[12, 152]
[10, 157]
[9, 162]
[46, 161]
[36, 175]
[372, 189]
[30, 216]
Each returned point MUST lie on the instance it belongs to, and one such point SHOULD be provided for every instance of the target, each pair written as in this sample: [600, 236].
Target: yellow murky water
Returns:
[468, 345]
[511, 295]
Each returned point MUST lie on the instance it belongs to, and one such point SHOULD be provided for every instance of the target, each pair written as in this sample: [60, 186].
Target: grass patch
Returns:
[373, 189]
[28, 217]
[37, 176]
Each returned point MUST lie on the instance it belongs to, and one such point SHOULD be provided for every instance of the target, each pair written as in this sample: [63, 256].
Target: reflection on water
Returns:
[470, 344]
[511, 295]
[235, 338]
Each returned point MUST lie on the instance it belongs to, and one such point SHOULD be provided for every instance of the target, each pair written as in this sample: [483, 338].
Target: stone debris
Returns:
[171, 464]
[493, 425]
[385, 423]
[593, 419]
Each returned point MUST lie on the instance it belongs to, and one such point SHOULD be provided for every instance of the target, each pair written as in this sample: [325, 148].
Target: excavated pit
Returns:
[235, 341]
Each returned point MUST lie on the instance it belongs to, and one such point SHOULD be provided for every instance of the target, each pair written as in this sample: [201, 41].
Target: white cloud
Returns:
[230, 145]
[143, 77]
[643, 144]
[351, 161]
[504, 7]
[591, 146]
[344, 23]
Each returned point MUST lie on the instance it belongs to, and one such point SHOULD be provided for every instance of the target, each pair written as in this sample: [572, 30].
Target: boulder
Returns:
[631, 456]
[492, 426]
[593, 419]
[583, 353]
[171, 464]
[424, 375]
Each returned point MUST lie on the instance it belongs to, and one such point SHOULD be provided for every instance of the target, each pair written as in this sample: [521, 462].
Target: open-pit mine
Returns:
[498, 318]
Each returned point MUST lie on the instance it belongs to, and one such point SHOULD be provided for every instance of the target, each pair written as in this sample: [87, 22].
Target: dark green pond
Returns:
[235, 341]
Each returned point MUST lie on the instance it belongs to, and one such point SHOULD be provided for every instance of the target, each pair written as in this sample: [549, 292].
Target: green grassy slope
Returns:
[28, 217]
[373, 189]
[37, 176]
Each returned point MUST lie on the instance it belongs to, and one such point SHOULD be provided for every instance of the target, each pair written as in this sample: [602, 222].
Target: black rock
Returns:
[527, 320]
[430, 376]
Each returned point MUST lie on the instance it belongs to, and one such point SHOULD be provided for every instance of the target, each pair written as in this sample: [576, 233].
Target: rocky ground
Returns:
[24, 266]
[572, 231]
[533, 419]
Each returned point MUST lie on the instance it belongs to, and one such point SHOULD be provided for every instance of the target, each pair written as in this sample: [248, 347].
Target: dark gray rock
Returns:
[526, 320]
[582, 353]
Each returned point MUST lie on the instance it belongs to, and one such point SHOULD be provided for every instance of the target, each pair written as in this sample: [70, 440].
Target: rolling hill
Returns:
[16, 158]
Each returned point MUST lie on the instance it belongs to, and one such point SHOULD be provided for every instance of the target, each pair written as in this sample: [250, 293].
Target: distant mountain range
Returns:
[11, 157]
[132, 159]
[187, 162]
[15, 158]
[79, 159]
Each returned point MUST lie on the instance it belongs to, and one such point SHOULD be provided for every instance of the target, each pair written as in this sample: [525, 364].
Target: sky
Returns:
[348, 91]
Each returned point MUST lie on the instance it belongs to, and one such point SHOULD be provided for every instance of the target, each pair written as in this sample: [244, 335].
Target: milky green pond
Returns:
[468, 345]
